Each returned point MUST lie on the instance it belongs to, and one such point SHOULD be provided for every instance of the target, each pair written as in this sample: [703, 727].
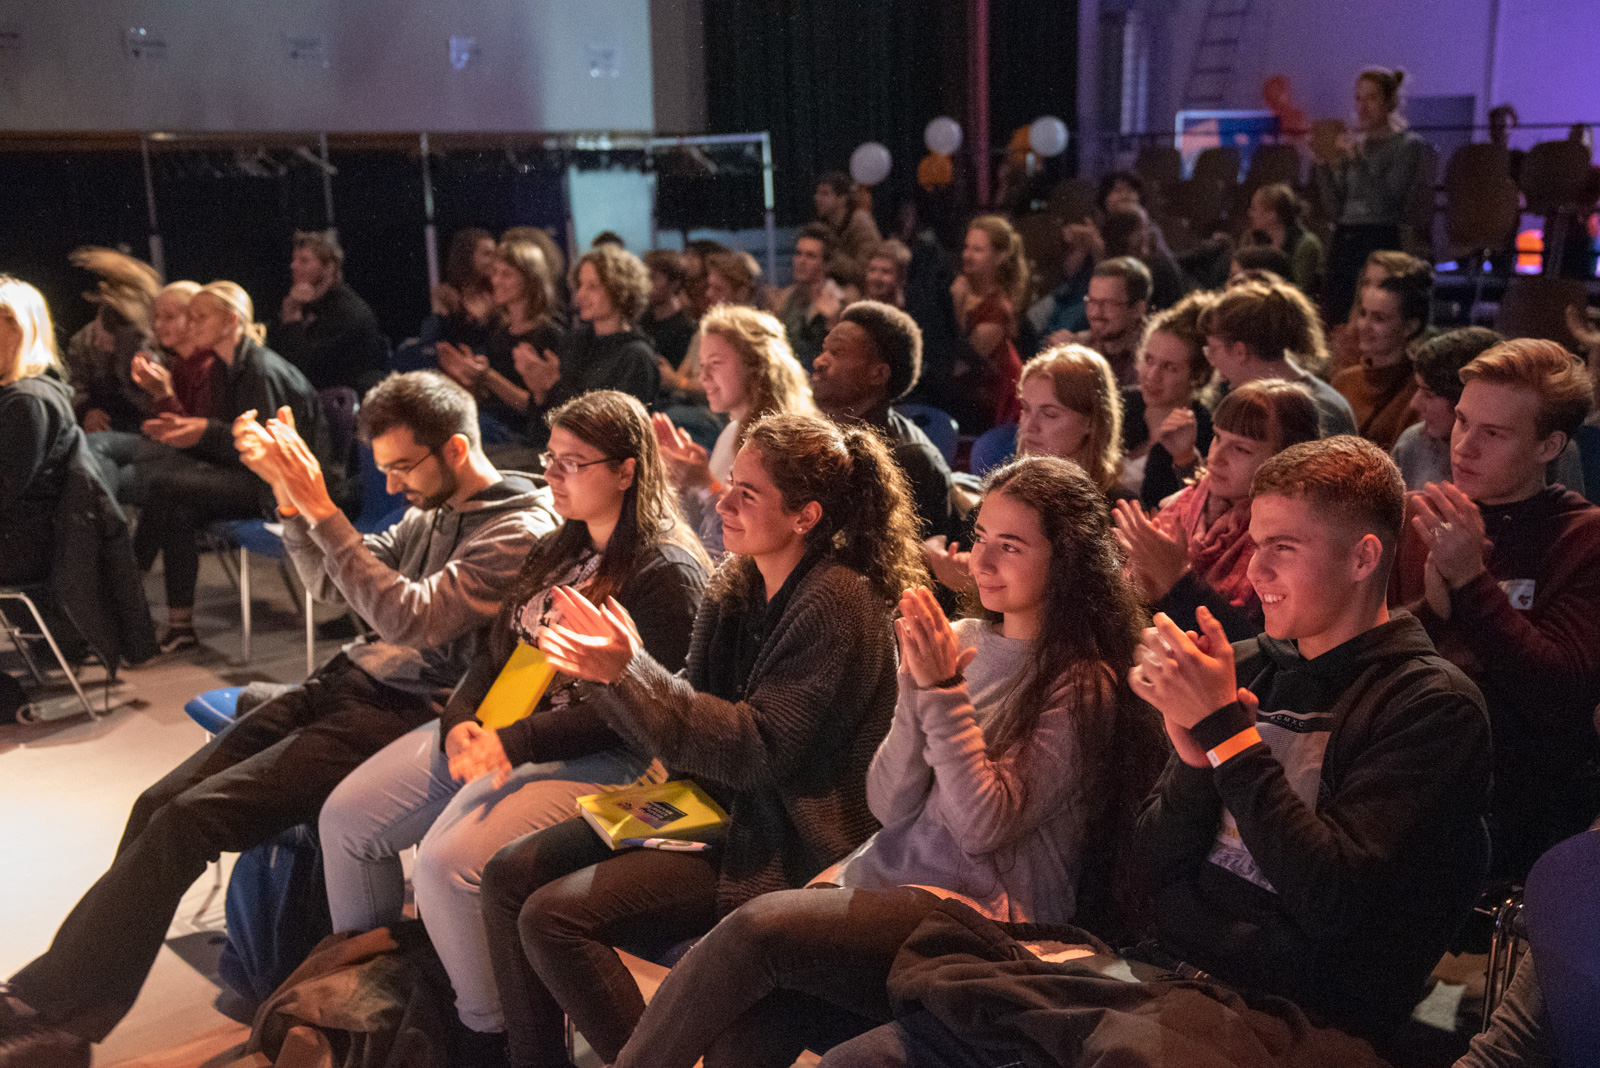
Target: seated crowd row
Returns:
[1283, 789]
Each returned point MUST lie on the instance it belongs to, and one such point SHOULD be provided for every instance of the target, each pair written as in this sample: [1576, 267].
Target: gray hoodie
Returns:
[428, 585]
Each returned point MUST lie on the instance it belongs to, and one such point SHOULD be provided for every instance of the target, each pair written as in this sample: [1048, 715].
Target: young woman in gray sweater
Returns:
[1009, 780]
[789, 688]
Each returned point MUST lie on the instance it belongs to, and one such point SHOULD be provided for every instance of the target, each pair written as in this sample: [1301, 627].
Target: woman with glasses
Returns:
[462, 790]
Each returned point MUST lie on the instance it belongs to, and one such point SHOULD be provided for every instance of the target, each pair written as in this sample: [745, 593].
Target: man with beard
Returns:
[428, 585]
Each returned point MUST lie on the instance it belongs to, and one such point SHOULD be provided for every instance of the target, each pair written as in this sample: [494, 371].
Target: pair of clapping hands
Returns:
[1187, 677]
[592, 642]
[280, 457]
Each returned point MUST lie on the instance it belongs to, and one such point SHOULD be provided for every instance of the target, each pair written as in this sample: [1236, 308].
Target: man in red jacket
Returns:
[1508, 569]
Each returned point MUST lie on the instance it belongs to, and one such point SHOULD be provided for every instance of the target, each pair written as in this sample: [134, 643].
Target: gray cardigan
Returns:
[430, 584]
[788, 760]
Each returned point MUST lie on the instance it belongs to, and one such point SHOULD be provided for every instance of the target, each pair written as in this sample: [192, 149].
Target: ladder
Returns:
[1220, 33]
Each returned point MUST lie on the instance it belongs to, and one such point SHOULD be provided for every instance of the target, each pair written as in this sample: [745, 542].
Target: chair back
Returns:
[993, 448]
[380, 509]
[338, 404]
[1536, 306]
[941, 429]
[1161, 167]
[1561, 907]
[1272, 164]
[1481, 207]
[1557, 174]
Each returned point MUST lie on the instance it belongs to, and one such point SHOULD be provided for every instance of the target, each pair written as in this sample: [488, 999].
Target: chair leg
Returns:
[19, 642]
[66, 668]
[244, 603]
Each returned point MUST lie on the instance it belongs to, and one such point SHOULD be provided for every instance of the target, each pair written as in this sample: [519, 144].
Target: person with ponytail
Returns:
[204, 481]
[789, 688]
[1368, 182]
[1270, 330]
[991, 287]
[1010, 781]
[461, 789]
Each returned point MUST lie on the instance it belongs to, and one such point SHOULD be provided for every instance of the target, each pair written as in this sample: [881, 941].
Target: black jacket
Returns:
[662, 596]
[623, 361]
[926, 472]
[1161, 477]
[336, 343]
[38, 438]
[1369, 883]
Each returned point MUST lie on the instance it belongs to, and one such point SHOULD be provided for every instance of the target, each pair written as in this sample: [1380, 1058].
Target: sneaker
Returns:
[177, 639]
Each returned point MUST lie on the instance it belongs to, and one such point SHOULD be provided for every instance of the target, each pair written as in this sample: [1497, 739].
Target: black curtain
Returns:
[825, 75]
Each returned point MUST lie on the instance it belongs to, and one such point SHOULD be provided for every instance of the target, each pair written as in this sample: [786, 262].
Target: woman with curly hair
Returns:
[460, 790]
[991, 287]
[747, 370]
[1009, 781]
[790, 686]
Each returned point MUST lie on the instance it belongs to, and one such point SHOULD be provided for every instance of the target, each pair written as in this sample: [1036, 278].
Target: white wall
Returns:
[1536, 54]
[384, 65]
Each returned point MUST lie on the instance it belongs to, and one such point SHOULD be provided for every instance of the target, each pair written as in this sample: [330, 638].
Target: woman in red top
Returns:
[993, 279]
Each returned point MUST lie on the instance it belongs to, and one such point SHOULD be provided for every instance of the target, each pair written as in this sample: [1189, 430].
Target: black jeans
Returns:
[268, 772]
[554, 904]
[1347, 257]
[181, 497]
[786, 972]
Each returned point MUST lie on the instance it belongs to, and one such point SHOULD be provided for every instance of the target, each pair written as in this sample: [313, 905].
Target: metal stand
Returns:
[19, 640]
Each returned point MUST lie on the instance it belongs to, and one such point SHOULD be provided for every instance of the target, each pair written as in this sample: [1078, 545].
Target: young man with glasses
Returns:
[1118, 301]
[428, 586]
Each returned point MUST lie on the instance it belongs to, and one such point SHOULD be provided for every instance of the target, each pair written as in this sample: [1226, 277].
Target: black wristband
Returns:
[953, 681]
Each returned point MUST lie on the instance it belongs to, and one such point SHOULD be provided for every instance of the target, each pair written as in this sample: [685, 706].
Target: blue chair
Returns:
[941, 429]
[215, 709]
[1561, 907]
[380, 509]
[993, 448]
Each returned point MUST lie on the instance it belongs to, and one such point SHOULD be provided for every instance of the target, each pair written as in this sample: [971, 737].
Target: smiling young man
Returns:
[428, 586]
[1509, 573]
[1311, 847]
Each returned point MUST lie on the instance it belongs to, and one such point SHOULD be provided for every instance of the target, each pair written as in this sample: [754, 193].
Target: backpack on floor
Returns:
[277, 909]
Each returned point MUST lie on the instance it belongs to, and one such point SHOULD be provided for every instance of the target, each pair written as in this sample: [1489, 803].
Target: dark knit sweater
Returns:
[662, 596]
[336, 342]
[1367, 883]
[787, 757]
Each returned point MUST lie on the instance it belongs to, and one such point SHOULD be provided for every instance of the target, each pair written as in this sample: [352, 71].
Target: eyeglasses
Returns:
[404, 468]
[565, 464]
[1093, 302]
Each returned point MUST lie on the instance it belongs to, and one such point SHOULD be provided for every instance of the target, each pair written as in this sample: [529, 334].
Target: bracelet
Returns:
[1233, 746]
[953, 681]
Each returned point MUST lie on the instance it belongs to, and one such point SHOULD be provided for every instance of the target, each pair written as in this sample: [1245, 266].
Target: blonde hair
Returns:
[183, 288]
[236, 300]
[1011, 268]
[774, 381]
[1566, 393]
[1083, 382]
[37, 352]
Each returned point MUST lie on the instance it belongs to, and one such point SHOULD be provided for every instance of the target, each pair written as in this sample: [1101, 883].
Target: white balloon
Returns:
[943, 135]
[1048, 136]
[869, 163]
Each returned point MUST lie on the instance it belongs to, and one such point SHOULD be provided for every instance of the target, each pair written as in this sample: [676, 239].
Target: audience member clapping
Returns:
[790, 686]
[463, 305]
[1391, 318]
[1197, 549]
[972, 786]
[1165, 428]
[1508, 571]
[747, 372]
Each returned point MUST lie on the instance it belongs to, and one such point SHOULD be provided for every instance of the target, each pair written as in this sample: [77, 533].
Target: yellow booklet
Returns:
[677, 810]
[514, 694]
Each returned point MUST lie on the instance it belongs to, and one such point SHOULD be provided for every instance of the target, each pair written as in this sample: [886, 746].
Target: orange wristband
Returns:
[1234, 746]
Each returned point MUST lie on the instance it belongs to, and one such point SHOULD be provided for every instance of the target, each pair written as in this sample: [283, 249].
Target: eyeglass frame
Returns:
[393, 469]
[567, 466]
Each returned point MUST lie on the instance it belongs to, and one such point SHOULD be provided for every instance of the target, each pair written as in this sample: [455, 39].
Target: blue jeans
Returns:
[404, 796]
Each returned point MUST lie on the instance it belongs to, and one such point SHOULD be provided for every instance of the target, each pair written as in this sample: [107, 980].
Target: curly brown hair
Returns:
[1088, 638]
[868, 522]
[622, 275]
[774, 381]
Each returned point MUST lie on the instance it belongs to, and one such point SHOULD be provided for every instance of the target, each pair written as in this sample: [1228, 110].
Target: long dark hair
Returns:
[1088, 637]
[616, 424]
[460, 265]
[867, 519]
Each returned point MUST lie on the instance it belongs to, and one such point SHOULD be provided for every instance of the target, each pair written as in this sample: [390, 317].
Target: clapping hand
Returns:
[929, 648]
[150, 376]
[1450, 524]
[948, 561]
[590, 643]
[539, 373]
[1187, 677]
[1156, 559]
[687, 460]
[257, 451]
[463, 365]
[475, 751]
[300, 473]
[177, 431]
